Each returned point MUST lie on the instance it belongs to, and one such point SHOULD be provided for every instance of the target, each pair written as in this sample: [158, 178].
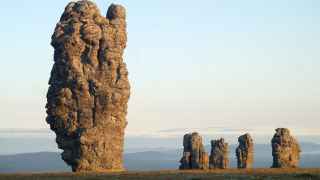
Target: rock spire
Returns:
[219, 154]
[244, 151]
[89, 87]
[194, 154]
[285, 149]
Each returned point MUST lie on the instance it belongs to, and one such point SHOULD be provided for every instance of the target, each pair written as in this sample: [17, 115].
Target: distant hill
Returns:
[148, 160]
[32, 162]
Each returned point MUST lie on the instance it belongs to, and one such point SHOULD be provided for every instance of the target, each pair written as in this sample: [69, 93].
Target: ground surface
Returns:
[232, 174]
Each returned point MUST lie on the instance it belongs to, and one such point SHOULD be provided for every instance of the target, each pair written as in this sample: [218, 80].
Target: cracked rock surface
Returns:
[89, 87]
[285, 149]
[244, 151]
[194, 154]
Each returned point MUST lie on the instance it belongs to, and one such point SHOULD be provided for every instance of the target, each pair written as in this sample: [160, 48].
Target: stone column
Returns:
[244, 151]
[89, 87]
[285, 149]
[219, 154]
[194, 155]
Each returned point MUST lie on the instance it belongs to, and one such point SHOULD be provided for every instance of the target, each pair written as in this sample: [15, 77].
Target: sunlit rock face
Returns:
[244, 151]
[285, 149]
[219, 154]
[89, 87]
[194, 155]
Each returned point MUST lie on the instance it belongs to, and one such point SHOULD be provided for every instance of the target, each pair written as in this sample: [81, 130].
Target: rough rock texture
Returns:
[244, 151]
[89, 87]
[219, 154]
[285, 149]
[194, 155]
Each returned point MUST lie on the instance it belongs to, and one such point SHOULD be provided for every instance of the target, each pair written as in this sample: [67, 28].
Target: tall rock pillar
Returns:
[89, 87]
[194, 154]
[219, 154]
[244, 151]
[285, 149]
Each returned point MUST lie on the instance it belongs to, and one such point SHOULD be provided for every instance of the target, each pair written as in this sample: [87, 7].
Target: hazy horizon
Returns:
[251, 65]
[17, 141]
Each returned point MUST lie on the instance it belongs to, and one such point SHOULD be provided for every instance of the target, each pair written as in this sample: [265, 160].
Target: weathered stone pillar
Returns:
[244, 151]
[89, 87]
[219, 154]
[285, 149]
[194, 155]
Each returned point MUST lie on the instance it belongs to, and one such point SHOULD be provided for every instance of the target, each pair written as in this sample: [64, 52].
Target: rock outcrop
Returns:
[244, 151]
[285, 149]
[89, 87]
[194, 154]
[219, 154]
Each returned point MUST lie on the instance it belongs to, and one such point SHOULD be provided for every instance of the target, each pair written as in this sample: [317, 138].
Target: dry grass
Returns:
[229, 174]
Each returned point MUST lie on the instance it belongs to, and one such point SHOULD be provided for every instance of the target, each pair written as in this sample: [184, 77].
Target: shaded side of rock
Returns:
[244, 151]
[285, 149]
[194, 155]
[219, 154]
[89, 87]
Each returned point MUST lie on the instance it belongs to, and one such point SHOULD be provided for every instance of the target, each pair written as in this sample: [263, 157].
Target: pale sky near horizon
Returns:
[192, 64]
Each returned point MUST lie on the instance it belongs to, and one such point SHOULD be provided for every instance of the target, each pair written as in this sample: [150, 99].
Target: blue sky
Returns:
[192, 64]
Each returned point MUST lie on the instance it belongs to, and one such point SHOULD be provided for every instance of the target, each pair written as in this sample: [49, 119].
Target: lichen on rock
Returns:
[194, 154]
[285, 149]
[244, 151]
[89, 87]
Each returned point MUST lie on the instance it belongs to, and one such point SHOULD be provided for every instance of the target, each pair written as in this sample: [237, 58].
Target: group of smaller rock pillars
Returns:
[285, 152]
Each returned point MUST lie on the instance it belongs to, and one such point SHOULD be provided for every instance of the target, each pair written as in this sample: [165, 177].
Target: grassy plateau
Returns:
[229, 174]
